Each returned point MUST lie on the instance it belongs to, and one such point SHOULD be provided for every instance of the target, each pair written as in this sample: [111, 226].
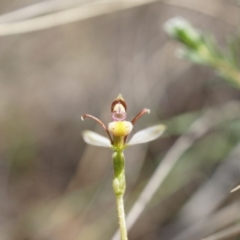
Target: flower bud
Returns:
[183, 31]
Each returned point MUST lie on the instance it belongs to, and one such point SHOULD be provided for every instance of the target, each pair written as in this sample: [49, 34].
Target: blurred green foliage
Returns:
[202, 48]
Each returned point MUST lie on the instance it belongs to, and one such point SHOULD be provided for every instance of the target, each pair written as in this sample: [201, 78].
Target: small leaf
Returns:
[95, 139]
[147, 135]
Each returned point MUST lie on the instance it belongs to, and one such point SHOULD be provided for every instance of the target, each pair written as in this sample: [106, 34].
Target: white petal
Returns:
[147, 135]
[95, 139]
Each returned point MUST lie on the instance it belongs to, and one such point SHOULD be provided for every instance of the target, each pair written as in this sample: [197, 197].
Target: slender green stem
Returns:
[121, 217]
[119, 186]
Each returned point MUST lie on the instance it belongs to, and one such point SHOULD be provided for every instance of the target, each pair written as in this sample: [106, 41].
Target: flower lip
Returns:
[119, 116]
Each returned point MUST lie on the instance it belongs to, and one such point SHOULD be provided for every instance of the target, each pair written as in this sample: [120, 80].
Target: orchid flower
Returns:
[118, 131]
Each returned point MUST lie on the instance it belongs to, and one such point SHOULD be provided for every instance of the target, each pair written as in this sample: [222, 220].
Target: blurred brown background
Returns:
[55, 187]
